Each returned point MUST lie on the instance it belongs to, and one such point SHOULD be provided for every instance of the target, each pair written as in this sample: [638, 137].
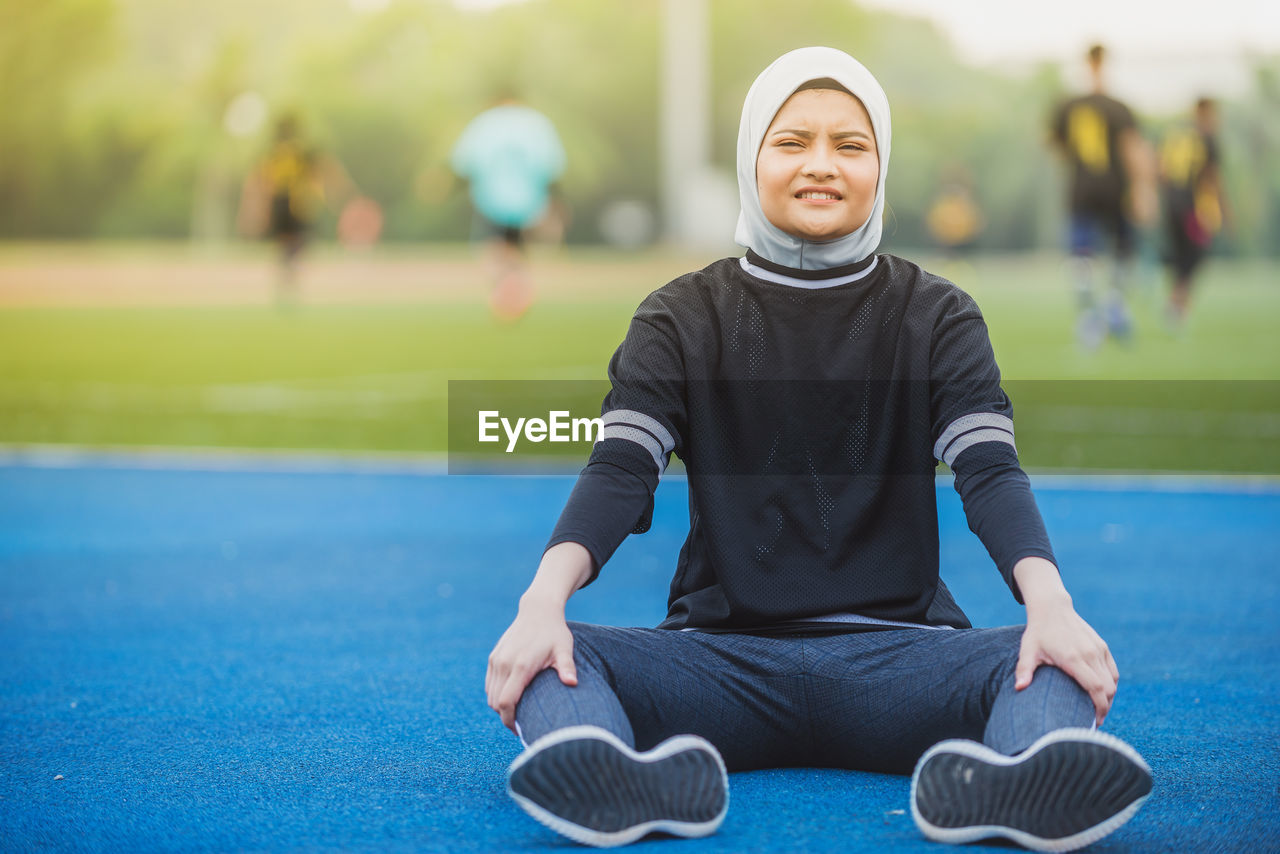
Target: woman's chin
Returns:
[814, 235]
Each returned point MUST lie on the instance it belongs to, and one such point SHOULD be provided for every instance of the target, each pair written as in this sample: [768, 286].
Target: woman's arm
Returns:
[1057, 635]
[612, 498]
[538, 637]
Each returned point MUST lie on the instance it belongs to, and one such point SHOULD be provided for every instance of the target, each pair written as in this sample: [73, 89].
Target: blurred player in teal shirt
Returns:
[511, 156]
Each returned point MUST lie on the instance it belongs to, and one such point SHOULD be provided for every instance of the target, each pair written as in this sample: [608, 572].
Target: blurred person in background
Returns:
[511, 157]
[287, 191]
[1191, 190]
[1111, 190]
[954, 219]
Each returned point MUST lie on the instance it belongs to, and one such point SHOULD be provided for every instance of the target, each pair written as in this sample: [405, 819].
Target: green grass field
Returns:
[352, 374]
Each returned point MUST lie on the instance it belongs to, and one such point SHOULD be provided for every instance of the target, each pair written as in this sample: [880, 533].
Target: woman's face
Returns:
[818, 166]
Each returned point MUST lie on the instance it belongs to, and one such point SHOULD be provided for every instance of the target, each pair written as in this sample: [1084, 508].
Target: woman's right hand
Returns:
[538, 638]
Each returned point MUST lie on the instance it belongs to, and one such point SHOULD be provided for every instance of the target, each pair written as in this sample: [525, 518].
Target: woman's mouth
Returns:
[819, 195]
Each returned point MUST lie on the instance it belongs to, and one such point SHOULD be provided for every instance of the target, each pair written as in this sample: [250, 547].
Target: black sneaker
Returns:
[583, 782]
[1069, 789]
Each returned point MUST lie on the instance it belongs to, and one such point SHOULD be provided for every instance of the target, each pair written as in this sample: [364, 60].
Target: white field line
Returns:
[368, 403]
[354, 401]
[369, 462]
[364, 396]
[268, 460]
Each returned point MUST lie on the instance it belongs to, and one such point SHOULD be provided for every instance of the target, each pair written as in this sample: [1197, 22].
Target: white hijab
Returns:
[767, 95]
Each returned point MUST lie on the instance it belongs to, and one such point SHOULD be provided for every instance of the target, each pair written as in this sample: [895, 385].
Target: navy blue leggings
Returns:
[873, 701]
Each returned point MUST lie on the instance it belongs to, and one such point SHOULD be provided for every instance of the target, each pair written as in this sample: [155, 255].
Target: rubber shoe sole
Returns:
[585, 783]
[1069, 789]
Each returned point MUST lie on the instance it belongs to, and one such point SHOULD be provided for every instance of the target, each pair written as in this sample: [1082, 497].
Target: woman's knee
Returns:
[1057, 680]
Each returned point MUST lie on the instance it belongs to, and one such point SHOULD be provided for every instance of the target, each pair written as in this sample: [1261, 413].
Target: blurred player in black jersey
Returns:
[811, 387]
[1194, 205]
[287, 191]
[1111, 188]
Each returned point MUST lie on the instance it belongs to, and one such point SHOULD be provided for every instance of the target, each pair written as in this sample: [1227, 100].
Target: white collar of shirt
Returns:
[810, 284]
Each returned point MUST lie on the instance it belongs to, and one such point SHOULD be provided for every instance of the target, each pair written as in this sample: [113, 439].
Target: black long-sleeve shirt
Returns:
[811, 409]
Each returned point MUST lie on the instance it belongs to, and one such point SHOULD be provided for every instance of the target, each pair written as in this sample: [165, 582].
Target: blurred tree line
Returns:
[139, 118]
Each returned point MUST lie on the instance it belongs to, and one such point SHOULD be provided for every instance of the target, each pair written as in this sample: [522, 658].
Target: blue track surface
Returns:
[241, 660]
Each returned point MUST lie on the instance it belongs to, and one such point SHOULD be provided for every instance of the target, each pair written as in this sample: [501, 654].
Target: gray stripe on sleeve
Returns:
[644, 422]
[975, 437]
[964, 424]
[641, 438]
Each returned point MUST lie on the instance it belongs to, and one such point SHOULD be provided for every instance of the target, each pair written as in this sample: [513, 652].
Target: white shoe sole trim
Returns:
[602, 839]
[955, 835]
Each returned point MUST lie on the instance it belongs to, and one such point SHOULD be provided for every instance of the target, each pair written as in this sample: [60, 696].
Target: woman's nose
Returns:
[819, 165]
